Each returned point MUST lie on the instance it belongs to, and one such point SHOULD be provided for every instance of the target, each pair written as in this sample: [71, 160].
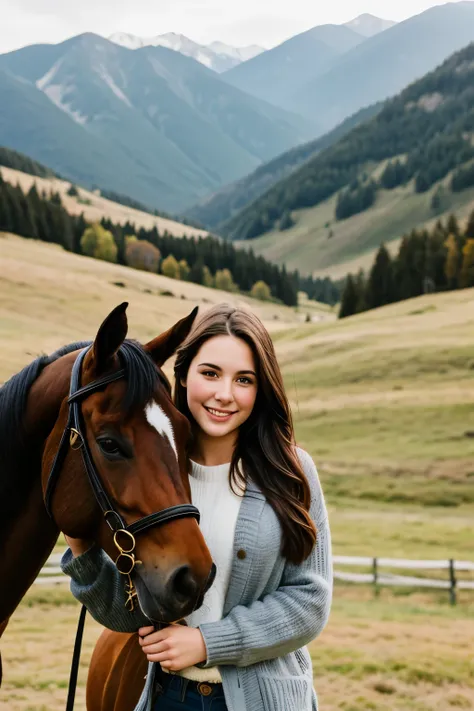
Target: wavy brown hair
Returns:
[266, 443]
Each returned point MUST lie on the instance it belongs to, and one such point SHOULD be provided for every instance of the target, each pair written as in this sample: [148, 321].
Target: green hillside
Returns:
[320, 245]
[216, 210]
[406, 151]
[149, 123]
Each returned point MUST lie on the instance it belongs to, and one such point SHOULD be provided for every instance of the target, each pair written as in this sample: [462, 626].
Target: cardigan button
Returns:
[241, 554]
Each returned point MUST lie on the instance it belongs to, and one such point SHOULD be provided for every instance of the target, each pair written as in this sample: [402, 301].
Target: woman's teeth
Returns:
[217, 413]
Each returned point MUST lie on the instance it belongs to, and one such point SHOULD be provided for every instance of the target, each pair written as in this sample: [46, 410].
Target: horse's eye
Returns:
[110, 446]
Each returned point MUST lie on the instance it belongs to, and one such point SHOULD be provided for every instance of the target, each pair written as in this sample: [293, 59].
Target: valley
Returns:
[381, 401]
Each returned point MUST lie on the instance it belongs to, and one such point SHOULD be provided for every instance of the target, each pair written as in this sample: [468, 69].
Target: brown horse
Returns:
[116, 673]
[137, 442]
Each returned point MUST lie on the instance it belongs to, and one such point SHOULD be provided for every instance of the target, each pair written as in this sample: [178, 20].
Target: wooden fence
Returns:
[378, 578]
[51, 573]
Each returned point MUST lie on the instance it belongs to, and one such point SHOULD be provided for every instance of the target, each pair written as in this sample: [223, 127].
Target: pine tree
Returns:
[196, 275]
[349, 298]
[469, 232]
[361, 289]
[286, 221]
[381, 284]
[5, 213]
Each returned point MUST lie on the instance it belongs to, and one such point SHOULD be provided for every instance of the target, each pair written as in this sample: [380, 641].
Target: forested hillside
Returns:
[18, 161]
[220, 207]
[205, 260]
[426, 262]
[426, 132]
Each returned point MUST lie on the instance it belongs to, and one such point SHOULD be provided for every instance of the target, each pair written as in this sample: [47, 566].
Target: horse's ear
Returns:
[163, 347]
[110, 337]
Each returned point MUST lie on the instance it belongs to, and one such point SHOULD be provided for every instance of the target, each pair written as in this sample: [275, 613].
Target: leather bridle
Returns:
[74, 437]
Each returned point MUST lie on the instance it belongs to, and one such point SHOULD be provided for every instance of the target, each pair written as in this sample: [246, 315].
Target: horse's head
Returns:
[137, 443]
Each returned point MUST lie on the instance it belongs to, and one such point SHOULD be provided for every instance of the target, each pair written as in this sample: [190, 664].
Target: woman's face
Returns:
[222, 385]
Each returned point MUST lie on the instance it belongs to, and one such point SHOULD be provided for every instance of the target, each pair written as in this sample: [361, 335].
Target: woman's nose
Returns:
[224, 393]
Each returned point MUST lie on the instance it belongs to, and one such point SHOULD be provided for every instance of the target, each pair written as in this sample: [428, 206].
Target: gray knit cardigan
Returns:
[272, 609]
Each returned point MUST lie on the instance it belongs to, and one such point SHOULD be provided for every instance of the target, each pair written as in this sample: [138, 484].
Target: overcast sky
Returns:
[238, 22]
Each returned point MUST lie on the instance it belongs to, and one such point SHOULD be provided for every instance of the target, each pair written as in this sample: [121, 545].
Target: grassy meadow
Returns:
[383, 401]
[319, 244]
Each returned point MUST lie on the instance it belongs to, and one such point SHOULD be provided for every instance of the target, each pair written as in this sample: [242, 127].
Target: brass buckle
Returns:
[126, 562]
[73, 437]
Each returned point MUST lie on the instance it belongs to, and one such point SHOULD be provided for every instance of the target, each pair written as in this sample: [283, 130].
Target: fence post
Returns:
[452, 578]
[376, 577]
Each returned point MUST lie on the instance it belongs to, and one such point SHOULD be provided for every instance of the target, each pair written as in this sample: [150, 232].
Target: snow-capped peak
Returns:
[217, 55]
[369, 25]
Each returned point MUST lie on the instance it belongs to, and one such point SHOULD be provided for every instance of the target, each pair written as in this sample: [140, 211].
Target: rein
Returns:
[74, 438]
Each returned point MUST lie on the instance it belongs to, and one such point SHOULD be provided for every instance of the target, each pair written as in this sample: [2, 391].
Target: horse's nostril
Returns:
[211, 577]
[183, 583]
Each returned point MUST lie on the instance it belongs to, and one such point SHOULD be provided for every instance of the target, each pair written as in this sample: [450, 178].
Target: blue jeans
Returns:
[180, 694]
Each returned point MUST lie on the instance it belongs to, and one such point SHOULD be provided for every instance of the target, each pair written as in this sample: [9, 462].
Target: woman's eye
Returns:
[245, 381]
[109, 446]
[209, 373]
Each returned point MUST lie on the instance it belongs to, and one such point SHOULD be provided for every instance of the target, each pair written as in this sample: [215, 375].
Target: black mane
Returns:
[16, 448]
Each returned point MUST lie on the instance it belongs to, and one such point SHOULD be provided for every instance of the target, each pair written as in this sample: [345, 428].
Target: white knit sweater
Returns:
[219, 508]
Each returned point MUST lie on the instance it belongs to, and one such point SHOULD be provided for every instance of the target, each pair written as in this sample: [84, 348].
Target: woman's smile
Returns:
[221, 415]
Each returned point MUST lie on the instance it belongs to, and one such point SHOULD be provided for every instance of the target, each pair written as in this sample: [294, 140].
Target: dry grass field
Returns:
[384, 403]
[388, 654]
[49, 297]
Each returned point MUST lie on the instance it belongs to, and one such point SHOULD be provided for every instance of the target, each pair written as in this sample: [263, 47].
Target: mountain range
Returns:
[276, 74]
[165, 129]
[216, 55]
[384, 64]
[151, 122]
[330, 72]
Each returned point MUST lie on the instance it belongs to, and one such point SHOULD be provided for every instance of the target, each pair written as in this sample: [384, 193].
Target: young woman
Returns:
[264, 520]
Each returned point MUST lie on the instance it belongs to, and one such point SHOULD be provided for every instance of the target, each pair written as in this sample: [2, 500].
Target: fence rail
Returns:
[376, 578]
[51, 573]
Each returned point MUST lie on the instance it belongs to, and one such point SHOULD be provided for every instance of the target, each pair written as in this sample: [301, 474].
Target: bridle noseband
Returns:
[74, 437]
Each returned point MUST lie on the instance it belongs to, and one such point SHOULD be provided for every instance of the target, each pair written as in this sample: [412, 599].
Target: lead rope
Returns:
[71, 694]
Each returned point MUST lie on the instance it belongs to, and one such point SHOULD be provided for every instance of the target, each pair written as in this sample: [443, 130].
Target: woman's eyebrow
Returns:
[216, 367]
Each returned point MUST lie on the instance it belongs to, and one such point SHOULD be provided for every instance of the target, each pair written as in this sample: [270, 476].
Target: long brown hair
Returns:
[266, 442]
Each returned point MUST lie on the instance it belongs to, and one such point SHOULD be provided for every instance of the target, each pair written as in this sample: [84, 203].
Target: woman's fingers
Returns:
[155, 648]
[143, 631]
[163, 658]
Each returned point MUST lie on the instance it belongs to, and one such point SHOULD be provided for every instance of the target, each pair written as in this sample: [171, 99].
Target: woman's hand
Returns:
[175, 647]
[78, 546]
